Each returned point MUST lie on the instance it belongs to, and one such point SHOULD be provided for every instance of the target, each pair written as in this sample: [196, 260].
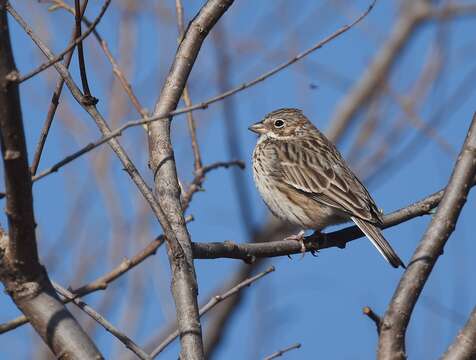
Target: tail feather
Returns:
[377, 239]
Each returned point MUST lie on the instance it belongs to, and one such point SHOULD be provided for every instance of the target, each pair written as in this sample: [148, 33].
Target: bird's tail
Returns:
[375, 236]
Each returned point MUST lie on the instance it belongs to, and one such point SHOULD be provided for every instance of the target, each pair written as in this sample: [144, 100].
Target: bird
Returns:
[304, 180]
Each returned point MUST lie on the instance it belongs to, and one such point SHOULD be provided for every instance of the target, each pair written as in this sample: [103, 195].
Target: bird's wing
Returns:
[316, 168]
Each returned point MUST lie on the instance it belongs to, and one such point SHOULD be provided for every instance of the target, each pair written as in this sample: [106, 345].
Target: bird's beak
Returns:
[258, 128]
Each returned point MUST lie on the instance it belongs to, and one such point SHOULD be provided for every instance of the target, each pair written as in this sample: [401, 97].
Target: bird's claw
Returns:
[300, 238]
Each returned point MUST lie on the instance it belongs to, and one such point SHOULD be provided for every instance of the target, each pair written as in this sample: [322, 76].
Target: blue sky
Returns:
[315, 301]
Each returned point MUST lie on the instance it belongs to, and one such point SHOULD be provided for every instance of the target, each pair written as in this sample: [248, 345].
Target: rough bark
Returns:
[25, 279]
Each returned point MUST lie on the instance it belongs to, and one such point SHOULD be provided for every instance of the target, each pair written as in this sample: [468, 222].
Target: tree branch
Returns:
[162, 163]
[199, 178]
[25, 280]
[54, 104]
[219, 324]
[116, 69]
[248, 252]
[128, 342]
[210, 304]
[91, 109]
[283, 351]
[416, 13]
[397, 316]
[81, 62]
[367, 311]
[464, 346]
[70, 47]
[146, 120]
[378, 70]
[186, 94]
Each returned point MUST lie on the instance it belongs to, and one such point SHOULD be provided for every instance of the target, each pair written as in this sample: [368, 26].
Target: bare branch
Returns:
[116, 69]
[54, 104]
[405, 104]
[60, 56]
[418, 12]
[102, 282]
[211, 303]
[397, 316]
[104, 128]
[128, 342]
[186, 94]
[378, 70]
[455, 100]
[197, 182]
[464, 346]
[146, 120]
[82, 64]
[248, 252]
[220, 322]
[283, 351]
[25, 280]
[373, 316]
[162, 163]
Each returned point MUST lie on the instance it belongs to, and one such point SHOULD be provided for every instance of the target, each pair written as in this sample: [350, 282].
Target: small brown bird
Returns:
[304, 180]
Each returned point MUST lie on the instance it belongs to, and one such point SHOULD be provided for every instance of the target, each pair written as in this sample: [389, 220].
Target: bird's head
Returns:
[282, 124]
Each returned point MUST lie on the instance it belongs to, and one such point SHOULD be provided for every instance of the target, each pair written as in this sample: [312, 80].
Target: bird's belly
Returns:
[294, 207]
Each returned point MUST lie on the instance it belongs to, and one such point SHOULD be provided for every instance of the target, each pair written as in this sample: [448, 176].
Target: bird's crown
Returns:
[283, 124]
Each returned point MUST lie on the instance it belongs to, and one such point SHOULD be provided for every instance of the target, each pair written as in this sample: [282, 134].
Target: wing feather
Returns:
[317, 169]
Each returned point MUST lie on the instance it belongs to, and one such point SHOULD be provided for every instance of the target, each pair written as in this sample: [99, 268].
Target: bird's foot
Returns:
[317, 239]
[300, 238]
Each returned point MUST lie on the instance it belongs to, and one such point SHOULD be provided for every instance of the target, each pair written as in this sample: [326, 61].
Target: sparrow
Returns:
[303, 179]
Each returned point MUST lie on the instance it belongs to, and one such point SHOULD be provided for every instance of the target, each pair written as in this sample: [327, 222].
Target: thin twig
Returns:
[82, 66]
[416, 93]
[458, 97]
[417, 12]
[197, 182]
[373, 316]
[127, 341]
[203, 105]
[116, 69]
[61, 55]
[54, 104]
[282, 351]
[405, 104]
[211, 303]
[186, 94]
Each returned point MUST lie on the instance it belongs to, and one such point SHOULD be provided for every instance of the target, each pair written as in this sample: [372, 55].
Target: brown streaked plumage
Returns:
[303, 179]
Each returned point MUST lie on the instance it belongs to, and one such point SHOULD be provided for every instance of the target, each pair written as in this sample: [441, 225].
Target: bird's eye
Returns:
[279, 123]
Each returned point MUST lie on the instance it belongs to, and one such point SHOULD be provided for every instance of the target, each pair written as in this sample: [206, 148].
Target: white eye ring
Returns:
[278, 123]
